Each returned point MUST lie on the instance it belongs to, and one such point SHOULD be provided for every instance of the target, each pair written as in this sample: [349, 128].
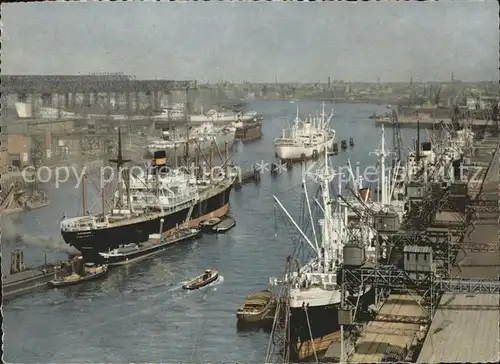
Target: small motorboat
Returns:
[207, 225]
[209, 276]
[90, 271]
[224, 225]
[351, 142]
[343, 144]
[258, 308]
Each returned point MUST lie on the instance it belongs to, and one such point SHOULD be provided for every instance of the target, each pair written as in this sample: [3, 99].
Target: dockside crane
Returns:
[397, 139]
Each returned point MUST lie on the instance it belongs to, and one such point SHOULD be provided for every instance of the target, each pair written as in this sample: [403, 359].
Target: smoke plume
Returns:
[13, 232]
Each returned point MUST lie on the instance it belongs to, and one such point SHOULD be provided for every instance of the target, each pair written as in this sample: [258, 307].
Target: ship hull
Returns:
[323, 323]
[249, 132]
[151, 251]
[292, 152]
[315, 331]
[92, 242]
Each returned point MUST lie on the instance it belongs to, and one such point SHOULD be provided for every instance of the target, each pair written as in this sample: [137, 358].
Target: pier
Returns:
[428, 122]
[447, 311]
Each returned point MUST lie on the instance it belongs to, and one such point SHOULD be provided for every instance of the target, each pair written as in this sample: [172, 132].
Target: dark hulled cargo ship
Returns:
[94, 234]
[136, 216]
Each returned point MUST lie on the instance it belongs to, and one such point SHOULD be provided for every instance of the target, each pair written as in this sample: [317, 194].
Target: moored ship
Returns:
[198, 139]
[306, 138]
[313, 295]
[223, 116]
[139, 212]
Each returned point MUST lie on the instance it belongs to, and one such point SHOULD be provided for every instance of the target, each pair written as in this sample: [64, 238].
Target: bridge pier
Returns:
[48, 144]
[86, 99]
[66, 100]
[169, 99]
[108, 101]
[46, 99]
[150, 96]
[137, 101]
[117, 101]
[128, 105]
[95, 98]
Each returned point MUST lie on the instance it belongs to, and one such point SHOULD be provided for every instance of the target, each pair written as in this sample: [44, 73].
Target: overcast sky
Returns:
[290, 42]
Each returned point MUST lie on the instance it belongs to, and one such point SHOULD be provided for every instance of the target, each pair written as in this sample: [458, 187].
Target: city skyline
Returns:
[256, 42]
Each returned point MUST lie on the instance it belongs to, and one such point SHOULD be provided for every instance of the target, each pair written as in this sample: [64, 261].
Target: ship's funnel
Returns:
[159, 159]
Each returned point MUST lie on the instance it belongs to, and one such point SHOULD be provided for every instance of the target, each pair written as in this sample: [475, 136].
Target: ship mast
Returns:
[381, 153]
[323, 117]
[84, 198]
[295, 124]
[326, 239]
[120, 161]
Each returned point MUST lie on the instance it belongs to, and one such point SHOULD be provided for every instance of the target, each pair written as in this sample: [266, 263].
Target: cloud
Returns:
[257, 42]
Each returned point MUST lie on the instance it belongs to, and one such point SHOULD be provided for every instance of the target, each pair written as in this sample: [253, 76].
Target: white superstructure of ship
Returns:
[200, 138]
[221, 117]
[170, 191]
[306, 138]
[174, 112]
[173, 188]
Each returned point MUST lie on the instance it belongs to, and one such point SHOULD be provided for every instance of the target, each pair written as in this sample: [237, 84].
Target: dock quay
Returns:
[23, 279]
[428, 122]
[437, 297]
[465, 327]
[398, 323]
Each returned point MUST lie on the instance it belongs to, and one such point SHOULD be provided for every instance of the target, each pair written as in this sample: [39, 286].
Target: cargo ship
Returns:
[199, 139]
[313, 295]
[306, 138]
[154, 203]
[222, 116]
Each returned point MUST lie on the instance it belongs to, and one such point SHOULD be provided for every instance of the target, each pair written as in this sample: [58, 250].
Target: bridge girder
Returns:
[86, 84]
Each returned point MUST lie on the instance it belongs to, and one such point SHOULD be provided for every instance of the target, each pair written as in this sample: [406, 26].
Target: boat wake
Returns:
[218, 281]
[151, 287]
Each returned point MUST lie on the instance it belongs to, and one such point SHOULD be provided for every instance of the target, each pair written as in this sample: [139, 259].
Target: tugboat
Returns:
[351, 142]
[343, 144]
[209, 276]
[90, 271]
[209, 225]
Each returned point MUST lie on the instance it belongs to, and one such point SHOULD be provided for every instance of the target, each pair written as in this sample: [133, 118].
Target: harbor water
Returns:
[140, 313]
